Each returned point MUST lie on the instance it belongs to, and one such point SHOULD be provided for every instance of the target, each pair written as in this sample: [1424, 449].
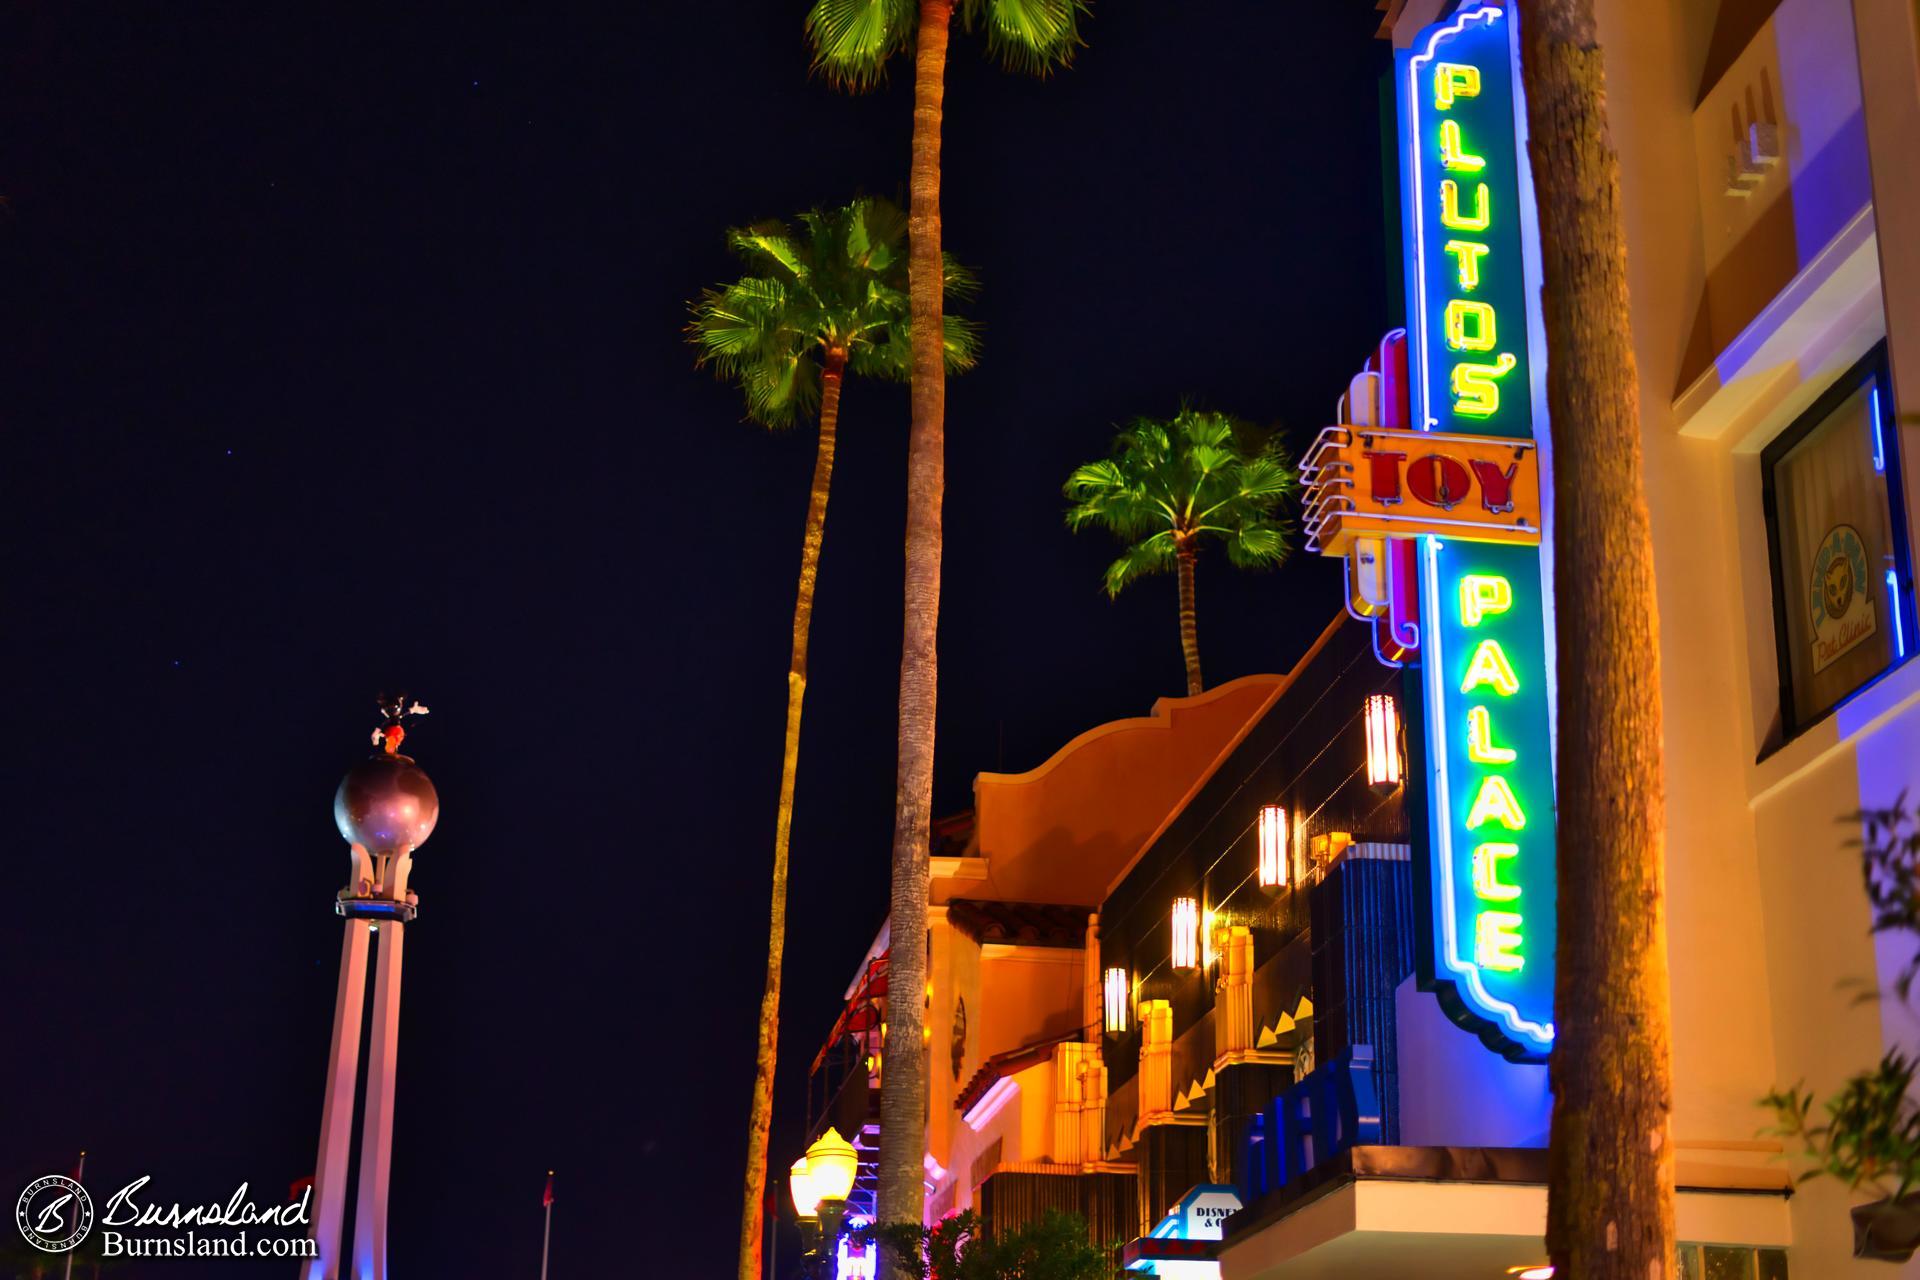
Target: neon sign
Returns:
[1488, 936]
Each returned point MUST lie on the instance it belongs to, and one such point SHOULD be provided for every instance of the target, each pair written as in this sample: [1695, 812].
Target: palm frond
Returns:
[1199, 475]
[1257, 546]
[880, 229]
[1155, 555]
[769, 242]
[781, 391]
[837, 282]
[961, 343]
[853, 39]
[1032, 35]
[958, 281]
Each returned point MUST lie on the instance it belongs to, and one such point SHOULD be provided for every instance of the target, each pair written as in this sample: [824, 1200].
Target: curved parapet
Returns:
[1059, 833]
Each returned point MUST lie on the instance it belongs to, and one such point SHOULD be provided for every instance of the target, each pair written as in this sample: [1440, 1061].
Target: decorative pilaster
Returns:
[1156, 1058]
[1233, 1010]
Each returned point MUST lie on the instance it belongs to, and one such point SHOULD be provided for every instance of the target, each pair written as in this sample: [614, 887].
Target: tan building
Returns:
[1285, 1065]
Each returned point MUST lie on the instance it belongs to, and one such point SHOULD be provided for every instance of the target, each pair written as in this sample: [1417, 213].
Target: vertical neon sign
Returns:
[1488, 934]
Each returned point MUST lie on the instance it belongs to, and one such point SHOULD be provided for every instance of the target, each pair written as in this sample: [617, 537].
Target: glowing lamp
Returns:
[806, 1197]
[1383, 742]
[1273, 846]
[831, 1164]
[1114, 1001]
[1186, 933]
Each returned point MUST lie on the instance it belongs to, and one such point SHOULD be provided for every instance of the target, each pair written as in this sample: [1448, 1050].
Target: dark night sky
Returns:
[345, 355]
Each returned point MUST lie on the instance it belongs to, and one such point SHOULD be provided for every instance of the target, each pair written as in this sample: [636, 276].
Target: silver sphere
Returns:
[386, 803]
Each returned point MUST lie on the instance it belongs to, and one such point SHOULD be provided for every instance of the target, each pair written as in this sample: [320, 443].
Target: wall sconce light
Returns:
[1114, 1001]
[1273, 846]
[1383, 742]
[1186, 933]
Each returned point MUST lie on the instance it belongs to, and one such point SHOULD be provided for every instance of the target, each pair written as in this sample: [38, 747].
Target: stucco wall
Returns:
[1063, 831]
[1768, 922]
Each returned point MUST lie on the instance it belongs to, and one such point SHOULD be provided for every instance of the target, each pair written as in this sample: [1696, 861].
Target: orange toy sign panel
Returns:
[1402, 483]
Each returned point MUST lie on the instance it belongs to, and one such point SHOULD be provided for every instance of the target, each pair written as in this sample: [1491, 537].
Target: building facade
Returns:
[1257, 1009]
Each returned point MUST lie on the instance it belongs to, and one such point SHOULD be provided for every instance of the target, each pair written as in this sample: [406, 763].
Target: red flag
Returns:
[546, 1200]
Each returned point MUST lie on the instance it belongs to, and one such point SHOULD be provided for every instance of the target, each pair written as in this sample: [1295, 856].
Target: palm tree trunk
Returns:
[1189, 620]
[1610, 1180]
[760, 1120]
[903, 1079]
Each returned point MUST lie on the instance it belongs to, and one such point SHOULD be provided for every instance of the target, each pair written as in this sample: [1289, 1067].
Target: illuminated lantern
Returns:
[1273, 846]
[1383, 742]
[831, 1165]
[1114, 1001]
[1186, 933]
[806, 1199]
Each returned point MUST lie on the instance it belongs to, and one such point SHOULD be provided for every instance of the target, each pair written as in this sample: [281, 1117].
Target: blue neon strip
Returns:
[1893, 607]
[1879, 443]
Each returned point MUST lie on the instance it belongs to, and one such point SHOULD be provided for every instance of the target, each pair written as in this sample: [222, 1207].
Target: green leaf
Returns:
[836, 282]
[853, 39]
[1033, 35]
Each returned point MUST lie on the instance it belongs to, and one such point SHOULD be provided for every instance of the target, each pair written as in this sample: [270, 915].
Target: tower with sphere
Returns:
[385, 808]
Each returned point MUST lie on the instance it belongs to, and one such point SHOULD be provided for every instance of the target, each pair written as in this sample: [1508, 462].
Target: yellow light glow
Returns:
[1496, 802]
[1486, 872]
[1490, 666]
[1481, 748]
[806, 1198]
[1186, 934]
[1453, 80]
[1206, 940]
[1470, 325]
[1475, 392]
[1113, 1001]
[1383, 741]
[1273, 846]
[1453, 219]
[1497, 941]
[1466, 259]
[1453, 154]
[831, 1166]
[1482, 594]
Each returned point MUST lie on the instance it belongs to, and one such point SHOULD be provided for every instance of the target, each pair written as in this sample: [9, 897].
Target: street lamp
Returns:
[821, 1181]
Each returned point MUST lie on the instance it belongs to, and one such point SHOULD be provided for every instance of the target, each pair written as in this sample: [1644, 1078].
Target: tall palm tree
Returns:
[818, 304]
[852, 42]
[1610, 1188]
[1170, 486]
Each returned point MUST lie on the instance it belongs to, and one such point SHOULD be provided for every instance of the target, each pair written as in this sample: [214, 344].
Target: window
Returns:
[1843, 605]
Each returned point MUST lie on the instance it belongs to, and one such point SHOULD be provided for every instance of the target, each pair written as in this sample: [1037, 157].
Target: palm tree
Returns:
[1168, 487]
[852, 42]
[818, 304]
[1610, 1180]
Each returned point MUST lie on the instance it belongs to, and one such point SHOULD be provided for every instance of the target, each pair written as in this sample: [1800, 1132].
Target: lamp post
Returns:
[385, 809]
[821, 1181]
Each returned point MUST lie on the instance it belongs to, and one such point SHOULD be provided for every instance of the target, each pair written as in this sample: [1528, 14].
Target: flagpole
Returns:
[546, 1236]
[79, 1172]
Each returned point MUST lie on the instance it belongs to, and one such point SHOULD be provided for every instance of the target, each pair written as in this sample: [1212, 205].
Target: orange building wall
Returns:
[1061, 832]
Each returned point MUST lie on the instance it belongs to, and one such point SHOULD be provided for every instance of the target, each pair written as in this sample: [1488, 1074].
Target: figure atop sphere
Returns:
[386, 803]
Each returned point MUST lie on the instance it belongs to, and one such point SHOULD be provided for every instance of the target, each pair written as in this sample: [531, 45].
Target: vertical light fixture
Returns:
[1114, 1001]
[1383, 742]
[1186, 933]
[1273, 846]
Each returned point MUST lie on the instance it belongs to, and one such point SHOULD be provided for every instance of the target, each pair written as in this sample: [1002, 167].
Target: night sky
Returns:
[344, 356]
